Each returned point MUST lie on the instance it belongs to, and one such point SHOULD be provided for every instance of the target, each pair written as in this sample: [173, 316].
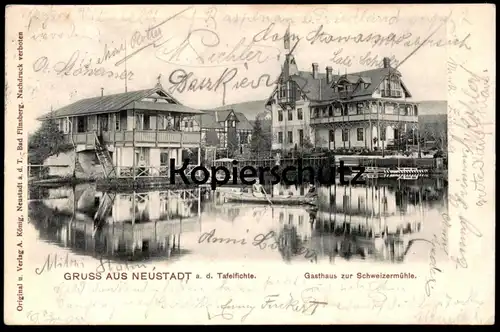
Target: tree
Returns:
[261, 141]
[46, 141]
[433, 127]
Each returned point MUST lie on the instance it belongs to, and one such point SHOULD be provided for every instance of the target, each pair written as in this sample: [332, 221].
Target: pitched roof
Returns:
[249, 108]
[207, 120]
[167, 107]
[373, 77]
[211, 119]
[314, 89]
[319, 90]
[243, 122]
[104, 104]
[221, 115]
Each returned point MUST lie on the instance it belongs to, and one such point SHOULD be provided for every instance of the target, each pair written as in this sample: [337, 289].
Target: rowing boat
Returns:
[281, 200]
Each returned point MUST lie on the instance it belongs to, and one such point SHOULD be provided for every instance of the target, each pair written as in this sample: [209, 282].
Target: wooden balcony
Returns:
[363, 117]
[138, 138]
[391, 93]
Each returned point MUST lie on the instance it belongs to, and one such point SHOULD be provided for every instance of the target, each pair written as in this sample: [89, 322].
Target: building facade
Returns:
[368, 110]
[225, 129]
[128, 134]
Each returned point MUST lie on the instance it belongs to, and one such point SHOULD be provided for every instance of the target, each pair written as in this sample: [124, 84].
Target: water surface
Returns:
[385, 220]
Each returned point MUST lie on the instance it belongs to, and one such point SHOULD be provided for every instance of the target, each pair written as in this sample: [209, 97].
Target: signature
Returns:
[78, 65]
[466, 227]
[49, 317]
[152, 37]
[374, 39]
[262, 241]
[433, 269]
[42, 30]
[229, 309]
[308, 308]
[243, 52]
[107, 266]
[53, 261]
[182, 81]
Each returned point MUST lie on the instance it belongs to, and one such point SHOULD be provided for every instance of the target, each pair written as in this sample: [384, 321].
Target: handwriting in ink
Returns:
[202, 44]
[229, 309]
[466, 228]
[274, 301]
[77, 66]
[151, 37]
[53, 261]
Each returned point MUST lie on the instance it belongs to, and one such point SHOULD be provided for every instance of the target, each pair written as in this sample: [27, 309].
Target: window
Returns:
[345, 135]
[299, 114]
[359, 109]
[382, 133]
[191, 124]
[290, 137]
[282, 217]
[139, 118]
[117, 121]
[290, 218]
[344, 110]
[162, 122]
[164, 159]
[316, 112]
[301, 220]
[91, 122]
[345, 203]
[280, 137]
[367, 85]
[81, 124]
[282, 91]
[290, 115]
[360, 134]
[66, 126]
[331, 134]
[396, 134]
[301, 136]
[280, 115]
[330, 111]
[185, 124]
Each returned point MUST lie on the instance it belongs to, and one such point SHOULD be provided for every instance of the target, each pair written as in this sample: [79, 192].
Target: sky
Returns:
[240, 49]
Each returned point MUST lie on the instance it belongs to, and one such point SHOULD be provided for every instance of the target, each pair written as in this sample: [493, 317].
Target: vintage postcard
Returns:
[250, 164]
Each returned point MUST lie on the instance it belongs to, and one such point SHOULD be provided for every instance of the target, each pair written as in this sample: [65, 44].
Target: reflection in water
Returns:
[378, 221]
[117, 226]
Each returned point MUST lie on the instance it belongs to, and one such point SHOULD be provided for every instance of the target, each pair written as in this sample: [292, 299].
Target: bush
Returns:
[45, 142]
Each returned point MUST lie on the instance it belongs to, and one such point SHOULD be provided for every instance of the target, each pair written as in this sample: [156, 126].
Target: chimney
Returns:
[329, 74]
[315, 70]
[102, 92]
[387, 62]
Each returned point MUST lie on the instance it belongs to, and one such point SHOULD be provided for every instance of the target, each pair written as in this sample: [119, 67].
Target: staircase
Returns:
[104, 158]
[105, 206]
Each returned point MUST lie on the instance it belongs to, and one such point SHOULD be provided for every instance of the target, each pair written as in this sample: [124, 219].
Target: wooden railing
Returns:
[391, 93]
[137, 136]
[361, 117]
[149, 171]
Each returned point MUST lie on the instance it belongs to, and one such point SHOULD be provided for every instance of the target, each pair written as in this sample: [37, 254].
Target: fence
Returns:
[39, 172]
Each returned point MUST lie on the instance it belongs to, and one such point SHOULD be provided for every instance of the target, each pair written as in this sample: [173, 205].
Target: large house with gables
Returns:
[127, 134]
[367, 110]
